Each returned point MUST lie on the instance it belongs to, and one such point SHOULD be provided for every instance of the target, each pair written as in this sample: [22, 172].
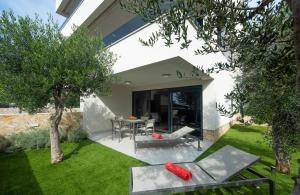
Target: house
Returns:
[148, 82]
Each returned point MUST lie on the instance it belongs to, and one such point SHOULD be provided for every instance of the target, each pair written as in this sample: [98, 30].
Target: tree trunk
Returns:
[56, 152]
[282, 163]
[295, 8]
[242, 113]
[282, 157]
[296, 190]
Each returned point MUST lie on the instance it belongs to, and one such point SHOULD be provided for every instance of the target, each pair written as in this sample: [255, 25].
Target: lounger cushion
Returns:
[181, 132]
[153, 178]
[173, 136]
[142, 138]
[226, 162]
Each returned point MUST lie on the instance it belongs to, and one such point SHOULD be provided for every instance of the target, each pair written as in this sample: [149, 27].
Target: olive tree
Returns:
[221, 27]
[39, 66]
[269, 71]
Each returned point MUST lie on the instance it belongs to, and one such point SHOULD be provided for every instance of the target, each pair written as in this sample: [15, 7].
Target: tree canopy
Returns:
[36, 61]
[220, 23]
[39, 66]
[262, 42]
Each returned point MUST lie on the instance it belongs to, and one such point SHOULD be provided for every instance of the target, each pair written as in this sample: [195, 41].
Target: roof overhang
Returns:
[160, 73]
[65, 7]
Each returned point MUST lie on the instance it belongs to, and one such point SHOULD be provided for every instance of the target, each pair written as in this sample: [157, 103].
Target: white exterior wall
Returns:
[80, 15]
[57, 3]
[97, 111]
[131, 54]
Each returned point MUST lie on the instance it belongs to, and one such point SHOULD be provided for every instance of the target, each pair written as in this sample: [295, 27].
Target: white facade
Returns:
[143, 67]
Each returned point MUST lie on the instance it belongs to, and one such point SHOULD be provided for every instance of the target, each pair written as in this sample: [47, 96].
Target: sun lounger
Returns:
[212, 172]
[168, 139]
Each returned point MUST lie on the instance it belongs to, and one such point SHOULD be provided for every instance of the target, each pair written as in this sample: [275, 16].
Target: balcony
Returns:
[66, 7]
[101, 17]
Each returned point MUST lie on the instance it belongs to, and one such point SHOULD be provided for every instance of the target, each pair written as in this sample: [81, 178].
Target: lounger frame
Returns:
[235, 183]
[165, 142]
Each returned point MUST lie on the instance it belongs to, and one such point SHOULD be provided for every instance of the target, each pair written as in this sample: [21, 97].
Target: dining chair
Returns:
[118, 127]
[148, 128]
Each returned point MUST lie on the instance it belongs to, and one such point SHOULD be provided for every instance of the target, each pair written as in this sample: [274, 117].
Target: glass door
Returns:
[185, 108]
[141, 103]
[171, 108]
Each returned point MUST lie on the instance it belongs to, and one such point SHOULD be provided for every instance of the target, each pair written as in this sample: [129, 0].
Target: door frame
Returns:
[174, 89]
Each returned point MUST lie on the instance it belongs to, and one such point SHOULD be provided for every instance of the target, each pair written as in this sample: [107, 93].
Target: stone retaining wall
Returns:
[214, 135]
[9, 110]
[12, 123]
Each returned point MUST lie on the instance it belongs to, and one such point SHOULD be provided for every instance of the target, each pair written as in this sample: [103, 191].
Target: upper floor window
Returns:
[124, 30]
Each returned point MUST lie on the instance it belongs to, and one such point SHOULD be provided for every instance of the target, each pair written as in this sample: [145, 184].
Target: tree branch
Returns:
[260, 7]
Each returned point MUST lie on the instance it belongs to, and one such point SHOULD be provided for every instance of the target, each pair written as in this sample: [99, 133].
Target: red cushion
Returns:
[157, 136]
[179, 171]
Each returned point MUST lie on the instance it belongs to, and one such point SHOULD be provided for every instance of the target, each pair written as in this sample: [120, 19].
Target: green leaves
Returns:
[258, 39]
[36, 61]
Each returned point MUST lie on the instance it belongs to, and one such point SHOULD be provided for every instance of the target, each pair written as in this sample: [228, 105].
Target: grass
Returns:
[91, 168]
[250, 139]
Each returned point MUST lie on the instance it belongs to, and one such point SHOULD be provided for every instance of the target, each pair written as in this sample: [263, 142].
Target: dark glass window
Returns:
[124, 30]
[171, 108]
[186, 108]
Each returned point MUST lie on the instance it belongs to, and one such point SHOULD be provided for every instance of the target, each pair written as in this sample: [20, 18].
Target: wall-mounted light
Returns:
[166, 75]
[127, 82]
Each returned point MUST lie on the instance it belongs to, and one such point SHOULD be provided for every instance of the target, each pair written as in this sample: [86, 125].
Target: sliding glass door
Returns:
[171, 108]
[185, 107]
[153, 104]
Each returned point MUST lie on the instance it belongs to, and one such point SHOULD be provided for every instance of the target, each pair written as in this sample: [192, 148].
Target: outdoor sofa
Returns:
[215, 171]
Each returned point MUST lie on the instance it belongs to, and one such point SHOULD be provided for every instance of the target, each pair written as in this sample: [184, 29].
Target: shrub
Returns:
[63, 134]
[4, 144]
[76, 135]
[35, 138]
[40, 138]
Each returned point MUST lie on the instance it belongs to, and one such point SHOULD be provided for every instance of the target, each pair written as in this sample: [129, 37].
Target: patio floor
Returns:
[155, 155]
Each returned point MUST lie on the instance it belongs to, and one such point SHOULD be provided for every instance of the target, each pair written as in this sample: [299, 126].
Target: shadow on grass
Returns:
[267, 164]
[250, 140]
[16, 175]
[247, 129]
[75, 150]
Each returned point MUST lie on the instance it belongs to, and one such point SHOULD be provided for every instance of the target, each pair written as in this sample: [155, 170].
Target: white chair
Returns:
[144, 118]
[118, 127]
[148, 128]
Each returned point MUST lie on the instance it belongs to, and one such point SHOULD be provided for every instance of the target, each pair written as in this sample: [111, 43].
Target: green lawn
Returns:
[91, 168]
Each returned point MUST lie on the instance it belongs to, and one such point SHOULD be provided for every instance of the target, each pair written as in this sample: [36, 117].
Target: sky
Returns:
[41, 7]
[30, 7]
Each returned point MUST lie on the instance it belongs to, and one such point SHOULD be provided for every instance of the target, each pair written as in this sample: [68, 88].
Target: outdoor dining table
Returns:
[133, 124]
